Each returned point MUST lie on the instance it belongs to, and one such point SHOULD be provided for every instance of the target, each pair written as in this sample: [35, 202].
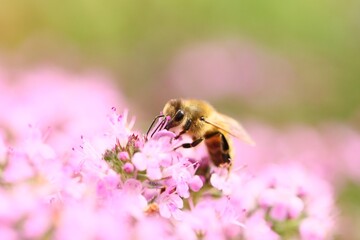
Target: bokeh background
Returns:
[291, 67]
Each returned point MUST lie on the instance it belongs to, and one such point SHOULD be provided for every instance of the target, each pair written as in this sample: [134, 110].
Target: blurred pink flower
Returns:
[204, 212]
[18, 168]
[225, 182]
[153, 228]
[54, 100]
[3, 149]
[82, 220]
[133, 199]
[231, 68]
[6, 232]
[257, 228]
[286, 205]
[331, 150]
[283, 204]
[37, 224]
[313, 229]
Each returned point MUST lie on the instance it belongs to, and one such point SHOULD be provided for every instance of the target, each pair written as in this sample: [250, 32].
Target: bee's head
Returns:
[175, 110]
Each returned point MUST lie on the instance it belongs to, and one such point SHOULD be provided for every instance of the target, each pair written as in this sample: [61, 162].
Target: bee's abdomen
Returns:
[218, 153]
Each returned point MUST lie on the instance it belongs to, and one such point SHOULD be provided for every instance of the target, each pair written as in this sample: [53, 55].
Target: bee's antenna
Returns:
[152, 124]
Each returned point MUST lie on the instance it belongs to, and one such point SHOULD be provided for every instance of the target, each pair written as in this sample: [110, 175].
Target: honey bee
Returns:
[202, 122]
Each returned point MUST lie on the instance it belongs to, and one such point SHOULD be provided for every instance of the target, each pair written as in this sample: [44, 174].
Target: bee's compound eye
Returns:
[179, 115]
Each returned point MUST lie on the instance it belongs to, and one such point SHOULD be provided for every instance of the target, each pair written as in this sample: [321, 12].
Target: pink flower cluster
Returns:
[111, 182]
[63, 105]
[120, 185]
[332, 151]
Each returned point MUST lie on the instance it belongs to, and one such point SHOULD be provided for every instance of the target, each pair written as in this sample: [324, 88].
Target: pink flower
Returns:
[229, 212]
[283, 204]
[267, 197]
[37, 224]
[107, 186]
[18, 167]
[3, 149]
[120, 128]
[181, 176]
[90, 156]
[195, 183]
[35, 147]
[312, 229]
[77, 221]
[153, 228]
[132, 198]
[330, 150]
[156, 153]
[36, 97]
[9, 233]
[170, 205]
[225, 182]
[204, 212]
[256, 228]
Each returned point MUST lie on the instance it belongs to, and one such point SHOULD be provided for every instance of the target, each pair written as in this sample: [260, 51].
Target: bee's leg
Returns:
[199, 140]
[225, 150]
[190, 145]
[185, 129]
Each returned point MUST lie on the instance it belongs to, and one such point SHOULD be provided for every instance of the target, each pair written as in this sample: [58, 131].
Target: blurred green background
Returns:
[143, 44]
[137, 41]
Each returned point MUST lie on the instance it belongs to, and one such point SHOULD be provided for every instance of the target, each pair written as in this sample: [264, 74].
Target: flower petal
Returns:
[139, 161]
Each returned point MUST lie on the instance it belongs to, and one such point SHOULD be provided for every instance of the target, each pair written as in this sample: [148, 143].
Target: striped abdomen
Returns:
[218, 149]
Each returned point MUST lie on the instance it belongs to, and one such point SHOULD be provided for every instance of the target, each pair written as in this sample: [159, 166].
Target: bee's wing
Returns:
[230, 126]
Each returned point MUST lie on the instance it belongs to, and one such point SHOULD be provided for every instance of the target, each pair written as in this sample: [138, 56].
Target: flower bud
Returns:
[123, 156]
[128, 167]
